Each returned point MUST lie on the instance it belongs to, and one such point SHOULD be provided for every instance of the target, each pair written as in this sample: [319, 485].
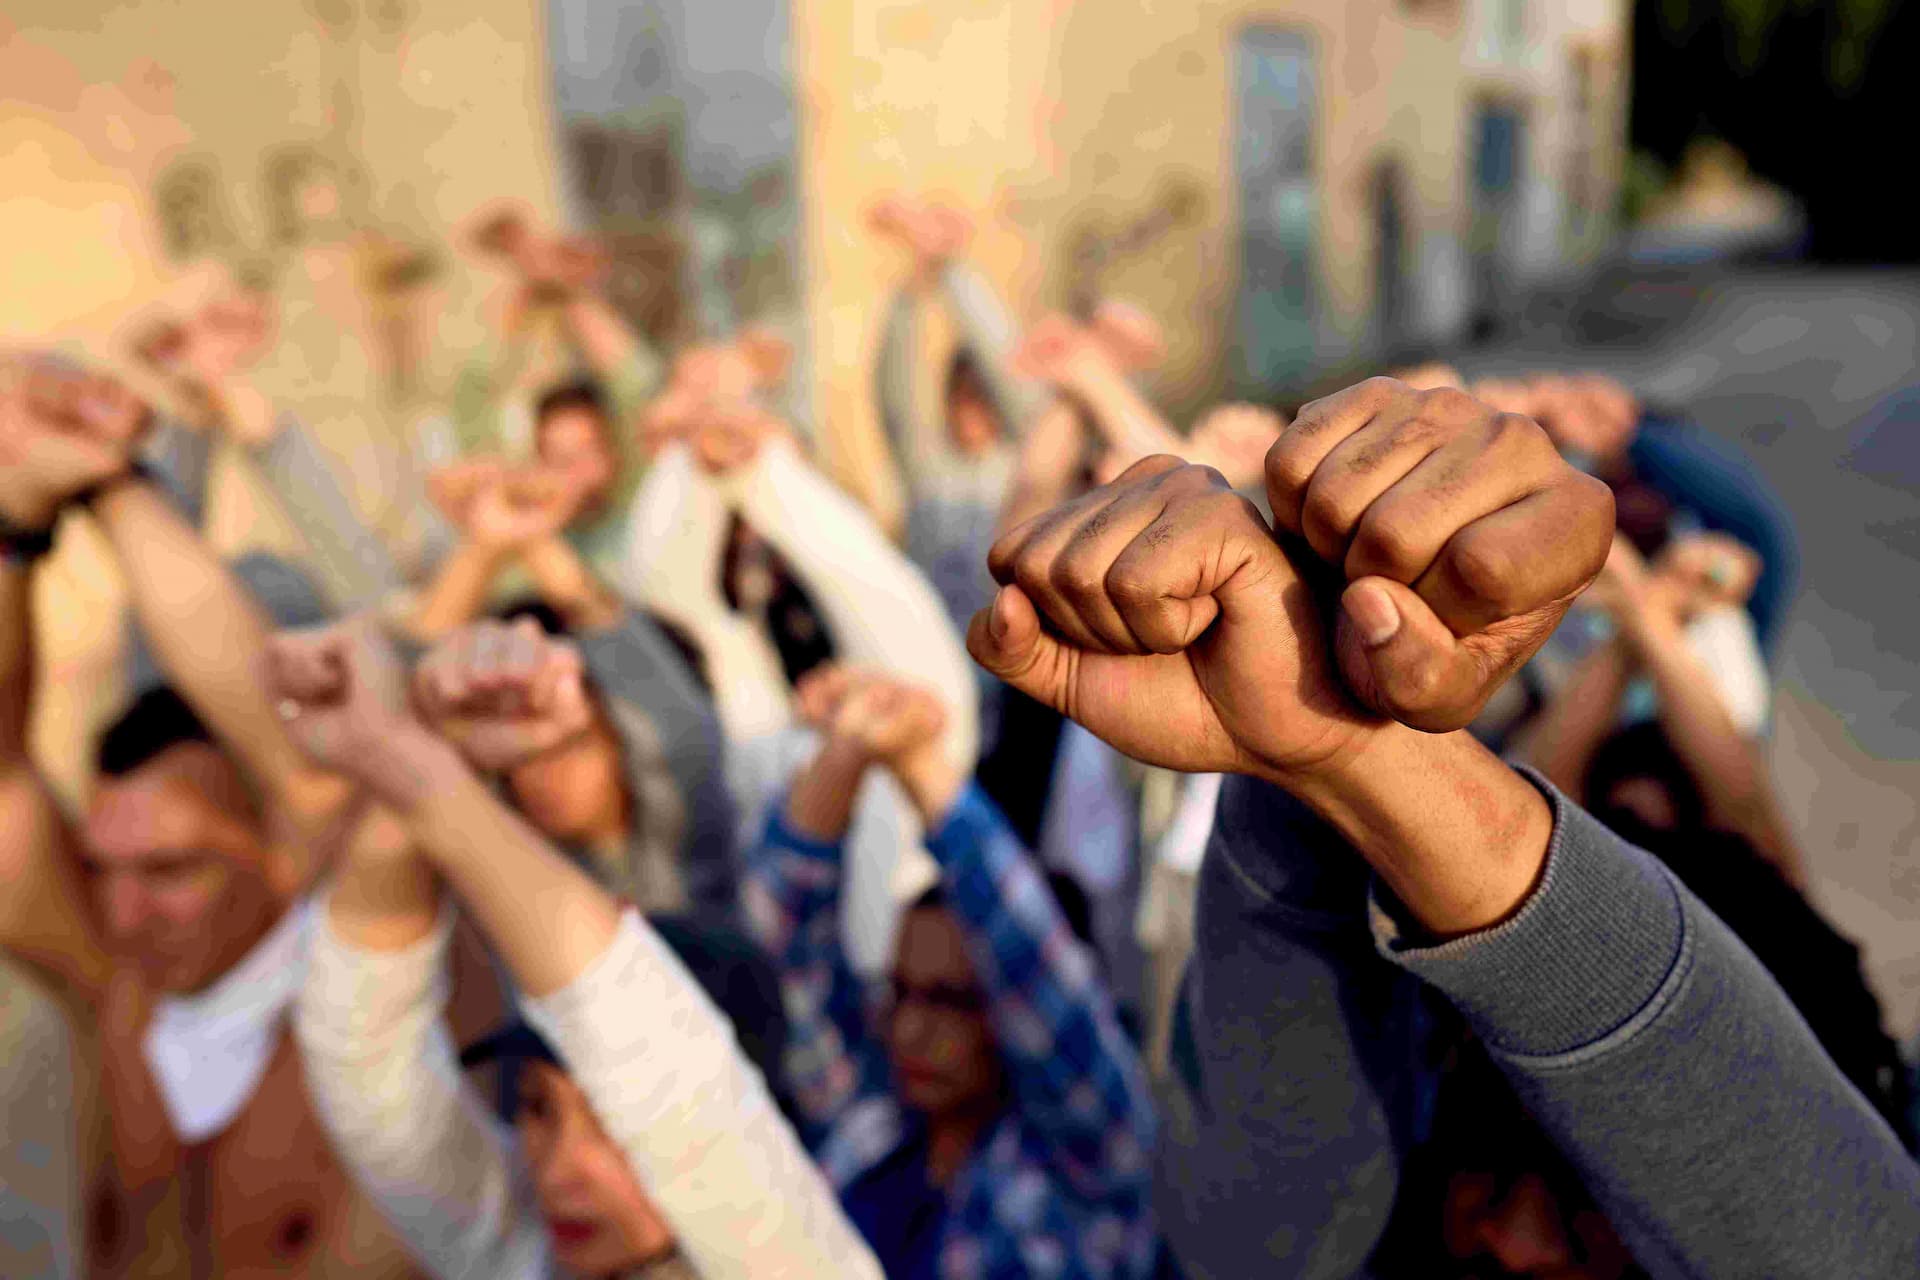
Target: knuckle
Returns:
[1489, 570]
[1329, 511]
[1389, 545]
[1288, 470]
[1450, 404]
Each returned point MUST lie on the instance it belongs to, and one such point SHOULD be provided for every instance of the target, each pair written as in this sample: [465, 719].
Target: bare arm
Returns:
[210, 639]
[1051, 459]
[1722, 761]
[566, 583]
[1562, 739]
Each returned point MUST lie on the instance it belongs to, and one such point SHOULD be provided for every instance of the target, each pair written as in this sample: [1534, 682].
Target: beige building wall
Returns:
[423, 108]
[1053, 121]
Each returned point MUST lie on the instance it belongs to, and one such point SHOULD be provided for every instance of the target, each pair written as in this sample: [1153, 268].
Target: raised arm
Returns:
[694, 1118]
[1076, 362]
[43, 916]
[1076, 1075]
[500, 514]
[1582, 714]
[379, 1059]
[672, 565]
[792, 901]
[988, 333]
[1665, 1063]
[881, 610]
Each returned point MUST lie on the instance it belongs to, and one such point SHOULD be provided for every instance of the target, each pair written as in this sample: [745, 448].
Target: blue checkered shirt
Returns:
[1058, 1187]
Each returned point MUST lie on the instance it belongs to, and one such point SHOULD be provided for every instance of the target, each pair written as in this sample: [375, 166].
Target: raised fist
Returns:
[341, 694]
[503, 693]
[62, 431]
[1132, 337]
[887, 718]
[1233, 439]
[515, 507]
[1178, 629]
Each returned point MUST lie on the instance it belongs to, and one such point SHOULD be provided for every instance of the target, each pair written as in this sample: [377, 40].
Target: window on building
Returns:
[1277, 102]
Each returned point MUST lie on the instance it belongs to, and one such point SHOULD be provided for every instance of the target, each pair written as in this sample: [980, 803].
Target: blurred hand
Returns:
[1710, 569]
[1133, 339]
[62, 431]
[228, 334]
[499, 230]
[884, 716]
[341, 693]
[1234, 439]
[1059, 351]
[453, 488]
[728, 437]
[516, 507]
[503, 693]
[768, 354]
[1586, 414]
[933, 234]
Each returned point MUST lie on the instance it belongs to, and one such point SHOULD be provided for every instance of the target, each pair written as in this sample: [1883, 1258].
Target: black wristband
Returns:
[22, 546]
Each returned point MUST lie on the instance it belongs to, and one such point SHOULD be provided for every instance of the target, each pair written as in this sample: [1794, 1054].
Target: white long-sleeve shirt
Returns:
[659, 1065]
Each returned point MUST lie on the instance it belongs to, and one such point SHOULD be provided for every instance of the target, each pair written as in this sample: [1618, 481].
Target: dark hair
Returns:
[156, 721]
[1643, 751]
[539, 610]
[584, 394]
[1067, 894]
[964, 369]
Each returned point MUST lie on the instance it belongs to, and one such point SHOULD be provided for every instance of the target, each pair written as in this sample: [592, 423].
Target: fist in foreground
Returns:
[1425, 546]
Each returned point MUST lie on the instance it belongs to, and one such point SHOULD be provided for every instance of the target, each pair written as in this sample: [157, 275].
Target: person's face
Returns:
[172, 857]
[1519, 1227]
[574, 791]
[598, 1218]
[943, 1052]
[573, 440]
[972, 424]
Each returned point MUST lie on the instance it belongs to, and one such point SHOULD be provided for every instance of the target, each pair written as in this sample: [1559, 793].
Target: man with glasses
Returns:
[993, 1119]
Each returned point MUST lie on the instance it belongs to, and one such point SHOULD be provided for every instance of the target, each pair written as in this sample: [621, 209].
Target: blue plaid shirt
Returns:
[1059, 1185]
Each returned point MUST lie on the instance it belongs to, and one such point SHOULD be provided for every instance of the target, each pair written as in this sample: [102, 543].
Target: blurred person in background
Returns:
[994, 1119]
[174, 908]
[648, 1143]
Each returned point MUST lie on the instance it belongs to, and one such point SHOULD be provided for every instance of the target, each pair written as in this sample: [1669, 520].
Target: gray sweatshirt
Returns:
[1649, 1044]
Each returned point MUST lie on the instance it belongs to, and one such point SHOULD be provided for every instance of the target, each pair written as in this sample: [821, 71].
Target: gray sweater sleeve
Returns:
[181, 460]
[347, 551]
[987, 331]
[1670, 1069]
[1280, 1156]
[635, 662]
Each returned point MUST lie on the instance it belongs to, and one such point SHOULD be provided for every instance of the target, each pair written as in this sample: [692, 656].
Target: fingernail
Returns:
[1001, 618]
[1373, 612]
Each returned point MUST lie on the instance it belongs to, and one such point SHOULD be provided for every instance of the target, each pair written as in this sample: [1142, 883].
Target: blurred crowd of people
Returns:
[1326, 840]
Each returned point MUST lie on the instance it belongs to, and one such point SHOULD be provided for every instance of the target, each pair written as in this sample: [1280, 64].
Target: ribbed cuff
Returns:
[1587, 953]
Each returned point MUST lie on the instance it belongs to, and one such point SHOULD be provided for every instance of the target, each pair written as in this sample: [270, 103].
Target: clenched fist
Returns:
[503, 693]
[1426, 546]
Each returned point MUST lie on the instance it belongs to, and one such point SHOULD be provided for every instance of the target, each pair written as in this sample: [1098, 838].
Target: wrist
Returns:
[1456, 833]
[407, 766]
[930, 781]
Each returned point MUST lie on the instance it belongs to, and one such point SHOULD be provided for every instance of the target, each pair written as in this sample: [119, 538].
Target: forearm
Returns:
[1124, 418]
[458, 593]
[380, 1066]
[1563, 737]
[881, 611]
[1675, 1076]
[1720, 759]
[207, 634]
[498, 865]
[566, 583]
[384, 897]
[987, 331]
[603, 336]
[820, 804]
[1050, 459]
[1457, 835]
[915, 441]
[694, 1118]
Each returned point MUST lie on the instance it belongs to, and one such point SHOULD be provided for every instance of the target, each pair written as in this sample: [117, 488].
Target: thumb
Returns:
[1006, 639]
[1400, 660]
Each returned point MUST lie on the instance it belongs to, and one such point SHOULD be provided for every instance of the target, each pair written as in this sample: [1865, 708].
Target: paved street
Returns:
[1817, 375]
